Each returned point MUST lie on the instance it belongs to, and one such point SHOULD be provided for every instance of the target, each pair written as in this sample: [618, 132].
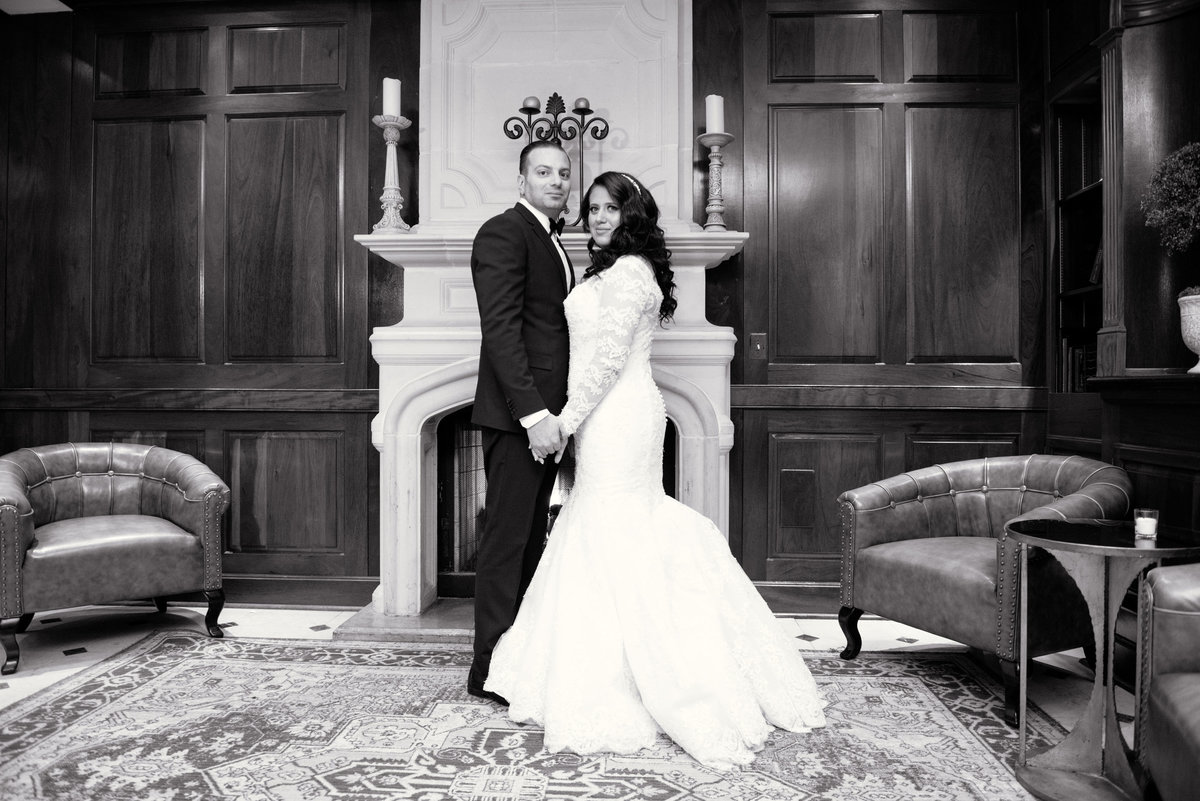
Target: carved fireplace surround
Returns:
[479, 59]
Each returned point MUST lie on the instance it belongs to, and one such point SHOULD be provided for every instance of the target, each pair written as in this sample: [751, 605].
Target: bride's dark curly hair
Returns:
[638, 234]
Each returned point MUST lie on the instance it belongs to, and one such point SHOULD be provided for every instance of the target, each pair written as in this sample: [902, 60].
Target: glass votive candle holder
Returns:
[1145, 524]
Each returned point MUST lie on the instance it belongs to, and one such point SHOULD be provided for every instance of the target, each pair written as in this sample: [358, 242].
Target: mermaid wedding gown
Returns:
[638, 618]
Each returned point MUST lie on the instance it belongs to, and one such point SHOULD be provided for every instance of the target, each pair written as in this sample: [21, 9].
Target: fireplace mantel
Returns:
[429, 361]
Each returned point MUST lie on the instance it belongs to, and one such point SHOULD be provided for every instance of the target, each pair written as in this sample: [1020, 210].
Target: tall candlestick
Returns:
[391, 200]
[714, 141]
[391, 97]
[714, 114]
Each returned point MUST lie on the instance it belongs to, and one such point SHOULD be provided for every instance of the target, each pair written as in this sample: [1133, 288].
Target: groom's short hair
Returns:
[534, 145]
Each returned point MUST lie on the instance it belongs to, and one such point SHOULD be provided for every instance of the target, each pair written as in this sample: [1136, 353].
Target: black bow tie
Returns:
[556, 226]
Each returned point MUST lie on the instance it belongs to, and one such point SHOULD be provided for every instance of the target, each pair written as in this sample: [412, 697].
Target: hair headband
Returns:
[633, 181]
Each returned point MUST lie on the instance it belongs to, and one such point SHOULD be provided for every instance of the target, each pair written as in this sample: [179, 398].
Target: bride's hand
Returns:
[546, 437]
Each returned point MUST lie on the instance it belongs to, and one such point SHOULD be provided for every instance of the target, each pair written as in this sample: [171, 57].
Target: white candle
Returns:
[1145, 526]
[714, 114]
[391, 97]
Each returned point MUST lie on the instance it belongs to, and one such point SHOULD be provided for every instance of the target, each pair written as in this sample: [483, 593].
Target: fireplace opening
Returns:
[462, 489]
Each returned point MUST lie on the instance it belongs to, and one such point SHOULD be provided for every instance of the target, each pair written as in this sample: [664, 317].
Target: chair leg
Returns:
[216, 602]
[848, 619]
[10, 627]
[1010, 672]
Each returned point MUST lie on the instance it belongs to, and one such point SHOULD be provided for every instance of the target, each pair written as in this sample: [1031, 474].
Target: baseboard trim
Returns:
[292, 591]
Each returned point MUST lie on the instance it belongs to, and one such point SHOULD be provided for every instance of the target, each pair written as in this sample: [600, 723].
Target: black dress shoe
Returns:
[479, 692]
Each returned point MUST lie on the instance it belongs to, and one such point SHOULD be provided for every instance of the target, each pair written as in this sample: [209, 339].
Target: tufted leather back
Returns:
[976, 497]
[73, 480]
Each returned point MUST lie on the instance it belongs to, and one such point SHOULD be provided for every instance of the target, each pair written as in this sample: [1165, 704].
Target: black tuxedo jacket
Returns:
[520, 286]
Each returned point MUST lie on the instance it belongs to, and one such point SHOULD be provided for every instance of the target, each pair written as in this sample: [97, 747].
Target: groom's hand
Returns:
[545, 437]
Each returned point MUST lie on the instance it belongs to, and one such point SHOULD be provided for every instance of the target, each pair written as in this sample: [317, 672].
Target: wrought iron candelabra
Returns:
[557, 126]
[391, 201]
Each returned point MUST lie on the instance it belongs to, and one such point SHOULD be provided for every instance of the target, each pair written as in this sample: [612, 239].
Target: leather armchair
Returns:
[1168, 725]
[97, 523]
[928, 549]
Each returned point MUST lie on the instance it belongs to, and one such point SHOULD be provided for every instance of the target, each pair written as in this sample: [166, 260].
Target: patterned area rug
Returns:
[180, 716]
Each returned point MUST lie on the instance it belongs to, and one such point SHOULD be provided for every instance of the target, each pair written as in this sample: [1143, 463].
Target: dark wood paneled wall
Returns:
[889, 269]
[183, 181]
[1152, 429]
[183, 185]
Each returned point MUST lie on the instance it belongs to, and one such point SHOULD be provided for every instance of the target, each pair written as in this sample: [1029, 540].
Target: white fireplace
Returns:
[479, 59]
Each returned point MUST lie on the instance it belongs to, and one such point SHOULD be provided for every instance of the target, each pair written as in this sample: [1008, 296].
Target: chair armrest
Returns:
[1170, 619]
[884, 511]
[192, 497]
[1104, 494]
[16, 535]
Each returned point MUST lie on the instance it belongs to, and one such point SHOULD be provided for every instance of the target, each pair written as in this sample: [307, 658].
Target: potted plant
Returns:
[1171, 204]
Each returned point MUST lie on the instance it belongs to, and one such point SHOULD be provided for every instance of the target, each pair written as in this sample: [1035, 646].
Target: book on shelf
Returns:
[1079, 365]
[1097, 267]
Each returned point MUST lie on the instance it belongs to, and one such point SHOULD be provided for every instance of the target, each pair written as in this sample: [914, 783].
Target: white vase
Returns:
[1189, 324]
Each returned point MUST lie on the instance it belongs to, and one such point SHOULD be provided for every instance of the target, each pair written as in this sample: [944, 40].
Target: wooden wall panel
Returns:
[26, 428]
[825, 47]
[940, 211]
[282, 175]
[300, 483]
[827, 227]
[965, 233]
[925, 450]
[286, 57]
[809, 472]
[885, 157]
[146, 266]
[287, 491]
[1163, 481]
[43, 296]
[283, 238]
[791, 525]
[139, 63]
[184, 441]
[1151, 427]
[116, 268]
[945, 46]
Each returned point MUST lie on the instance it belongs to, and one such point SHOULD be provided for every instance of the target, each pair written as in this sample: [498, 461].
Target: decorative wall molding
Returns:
[481, 58]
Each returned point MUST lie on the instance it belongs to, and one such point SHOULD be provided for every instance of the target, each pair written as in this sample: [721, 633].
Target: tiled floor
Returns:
[62, 643]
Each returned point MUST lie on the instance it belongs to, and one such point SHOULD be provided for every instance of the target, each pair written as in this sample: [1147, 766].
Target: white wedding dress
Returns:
[638, 618]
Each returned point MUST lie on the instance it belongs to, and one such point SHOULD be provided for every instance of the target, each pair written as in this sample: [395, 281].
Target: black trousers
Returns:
[513, 538]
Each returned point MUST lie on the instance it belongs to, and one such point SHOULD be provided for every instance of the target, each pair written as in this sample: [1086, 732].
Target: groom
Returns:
[521, 275]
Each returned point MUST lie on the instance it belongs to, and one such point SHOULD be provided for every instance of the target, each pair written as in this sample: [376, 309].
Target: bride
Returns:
[638, 619]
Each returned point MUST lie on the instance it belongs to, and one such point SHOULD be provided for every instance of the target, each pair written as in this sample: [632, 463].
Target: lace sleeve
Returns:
[628, 286]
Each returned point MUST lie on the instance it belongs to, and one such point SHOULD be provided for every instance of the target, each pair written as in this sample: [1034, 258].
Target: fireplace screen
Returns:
[462, 489]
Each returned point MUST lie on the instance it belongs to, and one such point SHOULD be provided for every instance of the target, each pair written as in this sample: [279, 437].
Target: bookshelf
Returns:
[1078, 227]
